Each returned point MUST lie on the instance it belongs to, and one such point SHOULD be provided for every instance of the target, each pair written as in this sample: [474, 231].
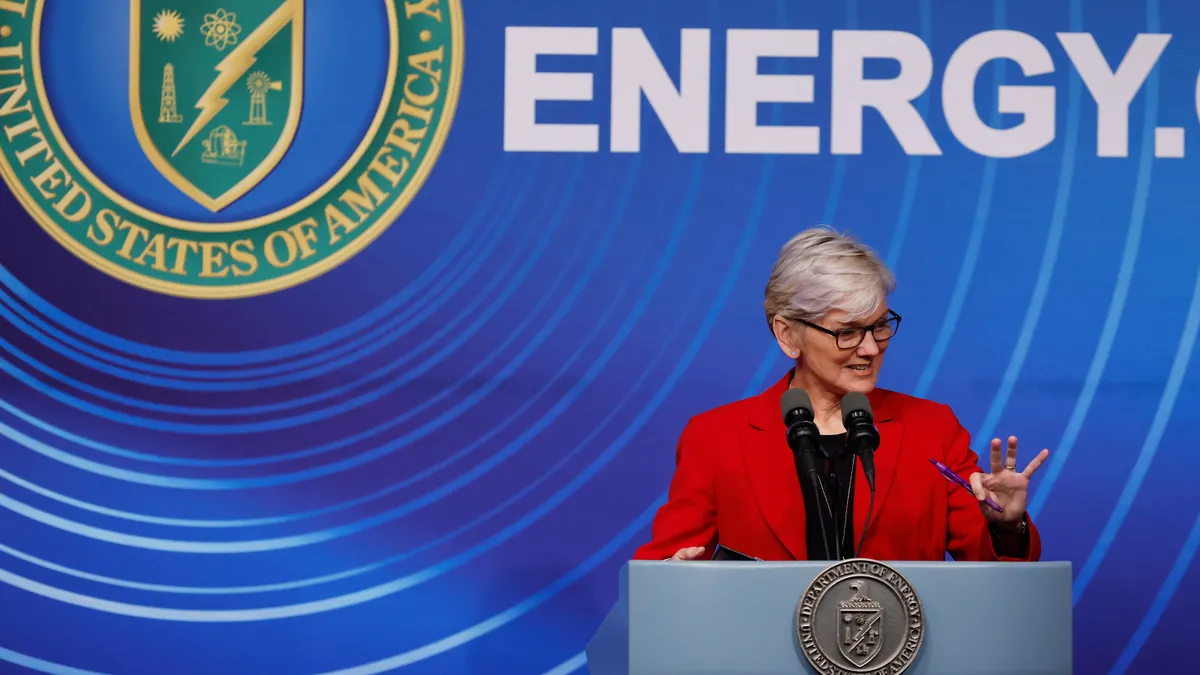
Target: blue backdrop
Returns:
[435, 457]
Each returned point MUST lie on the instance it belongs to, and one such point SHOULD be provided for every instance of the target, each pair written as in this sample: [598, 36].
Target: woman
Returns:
[736, 484]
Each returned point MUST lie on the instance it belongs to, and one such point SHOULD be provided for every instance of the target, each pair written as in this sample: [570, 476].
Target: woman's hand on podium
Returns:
[1005, 485]
[690, 553]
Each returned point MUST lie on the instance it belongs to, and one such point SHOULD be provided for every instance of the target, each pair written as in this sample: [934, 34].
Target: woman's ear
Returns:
[787, 336]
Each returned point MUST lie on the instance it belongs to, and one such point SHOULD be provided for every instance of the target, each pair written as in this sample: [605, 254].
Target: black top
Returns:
[836, 467]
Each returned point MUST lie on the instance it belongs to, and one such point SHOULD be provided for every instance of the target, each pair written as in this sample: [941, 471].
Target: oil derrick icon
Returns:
[168, 111]
[259, 84]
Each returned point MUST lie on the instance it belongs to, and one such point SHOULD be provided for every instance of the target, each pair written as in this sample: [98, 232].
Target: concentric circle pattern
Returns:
[436, 457]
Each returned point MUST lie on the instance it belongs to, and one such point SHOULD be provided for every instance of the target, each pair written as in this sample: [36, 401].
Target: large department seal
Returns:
[860, 616]
[216, 99]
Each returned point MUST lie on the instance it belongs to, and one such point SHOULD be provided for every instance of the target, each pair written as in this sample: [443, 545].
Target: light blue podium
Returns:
[740, 618]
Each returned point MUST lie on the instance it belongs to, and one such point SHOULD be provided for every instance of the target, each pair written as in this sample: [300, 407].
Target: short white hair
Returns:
[821, 270]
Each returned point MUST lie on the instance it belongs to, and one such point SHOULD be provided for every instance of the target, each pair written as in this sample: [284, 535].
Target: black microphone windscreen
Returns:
[795, 398]
[853, 402]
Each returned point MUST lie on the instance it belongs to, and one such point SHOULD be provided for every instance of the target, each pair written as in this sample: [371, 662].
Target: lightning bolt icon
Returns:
[234, 66]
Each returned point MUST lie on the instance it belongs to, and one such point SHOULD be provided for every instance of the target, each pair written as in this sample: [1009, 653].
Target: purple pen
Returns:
[950, 475]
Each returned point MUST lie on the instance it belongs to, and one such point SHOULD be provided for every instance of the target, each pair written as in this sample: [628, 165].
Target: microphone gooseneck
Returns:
[802, 435]
[862, 438]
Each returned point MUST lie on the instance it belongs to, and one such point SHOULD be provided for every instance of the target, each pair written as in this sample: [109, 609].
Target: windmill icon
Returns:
[259, 84]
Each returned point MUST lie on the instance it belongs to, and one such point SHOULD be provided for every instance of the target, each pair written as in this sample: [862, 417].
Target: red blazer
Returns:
[735, 483]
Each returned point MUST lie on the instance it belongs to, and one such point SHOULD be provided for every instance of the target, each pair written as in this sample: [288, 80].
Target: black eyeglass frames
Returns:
[850, 338]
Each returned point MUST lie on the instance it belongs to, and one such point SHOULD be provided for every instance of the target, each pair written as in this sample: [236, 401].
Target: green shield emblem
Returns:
[215, 92]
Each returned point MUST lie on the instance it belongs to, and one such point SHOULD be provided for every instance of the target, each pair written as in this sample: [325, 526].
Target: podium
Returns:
[775, 618]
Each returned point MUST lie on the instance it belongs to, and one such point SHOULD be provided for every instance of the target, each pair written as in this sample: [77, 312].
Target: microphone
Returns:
[802, 436]
[861, 436]
[798, 417]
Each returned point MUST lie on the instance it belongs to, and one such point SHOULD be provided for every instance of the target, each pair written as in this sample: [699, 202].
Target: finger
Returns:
[1010, 458]
[977, 486]
[997, 462]
[1036, 463]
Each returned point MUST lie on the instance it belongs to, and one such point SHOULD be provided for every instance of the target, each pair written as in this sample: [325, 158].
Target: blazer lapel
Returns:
[772, 471]
[887, 457]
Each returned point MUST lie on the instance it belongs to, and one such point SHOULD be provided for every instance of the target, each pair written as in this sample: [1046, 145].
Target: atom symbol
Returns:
[220, 29]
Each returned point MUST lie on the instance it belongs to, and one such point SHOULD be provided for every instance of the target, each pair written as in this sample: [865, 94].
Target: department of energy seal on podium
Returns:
[860, 616]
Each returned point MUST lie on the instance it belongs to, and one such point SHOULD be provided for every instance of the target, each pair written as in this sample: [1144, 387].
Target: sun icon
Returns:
[168, 25]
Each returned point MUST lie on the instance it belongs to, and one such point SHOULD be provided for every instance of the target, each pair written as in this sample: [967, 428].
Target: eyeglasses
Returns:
[850, 338]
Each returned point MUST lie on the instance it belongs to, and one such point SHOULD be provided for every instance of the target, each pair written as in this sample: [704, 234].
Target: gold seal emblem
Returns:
[217, 102]
[860, 616]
